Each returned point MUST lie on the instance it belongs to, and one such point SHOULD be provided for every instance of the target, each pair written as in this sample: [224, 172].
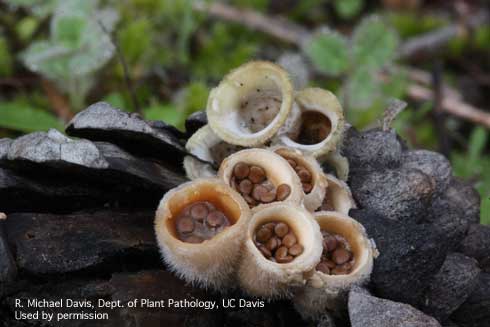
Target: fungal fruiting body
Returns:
[338, 196]
[208, 150]
[275, 268]
[310, 174]
[347, 260]
[261, 176]
[321, 123]
[337, 162]
[250, 104]
[200, 231]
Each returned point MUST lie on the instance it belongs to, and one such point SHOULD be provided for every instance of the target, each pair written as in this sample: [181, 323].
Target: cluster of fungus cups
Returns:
[260, 212]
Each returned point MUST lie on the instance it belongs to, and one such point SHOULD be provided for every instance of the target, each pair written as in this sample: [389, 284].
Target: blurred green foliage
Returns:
[174, 56]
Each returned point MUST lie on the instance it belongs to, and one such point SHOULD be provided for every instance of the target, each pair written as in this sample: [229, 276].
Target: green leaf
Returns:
[166, 112]
[329, 52]
[348, 8]
[477, 142]
[135, 38]
[67, 30]
[6, 59]
[26, 27]
[362, 88]
[374, 43]
[21, 117]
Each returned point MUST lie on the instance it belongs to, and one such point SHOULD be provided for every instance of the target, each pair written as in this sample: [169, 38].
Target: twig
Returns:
[275, 26]
[433, 41]
[58, 102]
[451, 105]
[292, 33]
[122, 60]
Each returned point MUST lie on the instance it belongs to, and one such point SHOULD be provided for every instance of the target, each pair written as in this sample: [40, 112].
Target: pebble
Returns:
[277, 242]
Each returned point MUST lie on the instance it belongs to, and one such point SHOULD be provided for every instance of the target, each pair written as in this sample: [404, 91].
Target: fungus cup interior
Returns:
[250, 100]
[212, 193]
[345, 228]
[300, 160]
[315, 128]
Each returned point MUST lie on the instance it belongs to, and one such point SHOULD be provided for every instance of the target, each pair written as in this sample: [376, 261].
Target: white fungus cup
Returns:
[325, 292]
[211, 263]
[259, 276]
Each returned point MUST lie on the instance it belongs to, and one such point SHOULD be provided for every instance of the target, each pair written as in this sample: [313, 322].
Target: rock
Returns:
[8, 269]
[475, 311]
[449, 219]
[433, 164]
[4, 147]
[55, 244]
[102, 122]
[30, 194]
[410, 256]
[372, 149]
[369, 311]
[97, 163]
[402, 194]
[195, 121]
[476, 244]
[464, 196]
[452, 285]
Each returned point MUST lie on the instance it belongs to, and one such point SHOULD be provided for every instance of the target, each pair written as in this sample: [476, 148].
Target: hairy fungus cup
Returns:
[297, 249]
[199, 228]
[310, 174]
[261, 177]
[347, 253]
[338, 196]
[250, 104]
[321, 123]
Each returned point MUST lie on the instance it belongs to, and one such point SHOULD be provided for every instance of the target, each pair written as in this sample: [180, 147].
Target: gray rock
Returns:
[464, 196]
[402, 194]
[54, 244]
[55, 155]
[4, 147]
[102, 122]
[33, 193]
[475, 311]
[476, 244]
[195, 121]
[8, 269]
[369, 311]
[451, 286]
[372, 149]
[433, 164]
[448, 218]
[410, 256]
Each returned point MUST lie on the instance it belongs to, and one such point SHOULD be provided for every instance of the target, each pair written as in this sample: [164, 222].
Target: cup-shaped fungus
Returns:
[346, 260]
[321, 123]
[310, 174]
[200, 231]
[338, 196]
[250, 104]
[283, 245]
[261, 176]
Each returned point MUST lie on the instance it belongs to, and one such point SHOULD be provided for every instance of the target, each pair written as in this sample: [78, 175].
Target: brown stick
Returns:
[275, 26]
[58, 102]
[292, 33]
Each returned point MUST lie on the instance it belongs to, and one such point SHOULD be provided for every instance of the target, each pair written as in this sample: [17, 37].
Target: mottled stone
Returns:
[52, 244]
[102, 122]
[476, 244]
[464, 196]
[99, 163]
[195, 121]
[402, 194]
[452, 285]
[449, 219]
[4, 147]
[369, 311]
[475, 311]
[372, 149]
[433, 164]
[410, 256]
